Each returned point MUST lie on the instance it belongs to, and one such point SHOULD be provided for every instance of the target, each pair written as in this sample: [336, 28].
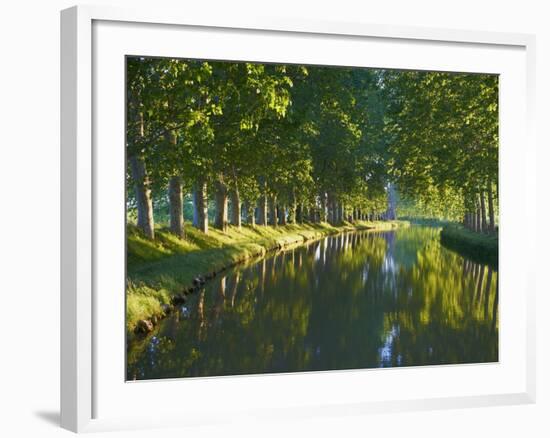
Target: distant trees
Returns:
[443, 143]
[278, 144]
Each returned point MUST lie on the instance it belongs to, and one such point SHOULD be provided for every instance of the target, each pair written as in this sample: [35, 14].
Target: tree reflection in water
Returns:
[356, 300]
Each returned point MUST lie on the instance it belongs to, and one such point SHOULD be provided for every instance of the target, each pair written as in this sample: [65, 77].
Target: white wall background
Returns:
[29, 216]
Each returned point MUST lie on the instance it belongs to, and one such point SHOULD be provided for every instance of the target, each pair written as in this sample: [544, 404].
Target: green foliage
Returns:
[301, 133]
[442, 130]
[291, 131]
[314, 137]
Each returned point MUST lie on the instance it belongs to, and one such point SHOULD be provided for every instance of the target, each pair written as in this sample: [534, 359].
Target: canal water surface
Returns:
[355, 300]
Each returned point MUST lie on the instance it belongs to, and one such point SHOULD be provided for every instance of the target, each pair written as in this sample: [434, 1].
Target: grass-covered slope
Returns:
[479, 247]
[159, 271]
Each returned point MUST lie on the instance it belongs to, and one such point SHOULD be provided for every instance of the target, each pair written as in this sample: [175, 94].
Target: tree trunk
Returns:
[299, 213]
[262, 210]
[491, 207]
[331, 209]
[250, 214]
[478, 218]
[293, 209]
[236, 208]
[200, 206]
[282, 214]
[273, 210]
[483, 211]
[390, 213]
[220, 221]
[175, 197]
[142, 187]
[324, 207]
[313, 213]
[246, 211]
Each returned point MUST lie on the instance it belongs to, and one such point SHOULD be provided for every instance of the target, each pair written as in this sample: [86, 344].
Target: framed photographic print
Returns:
[282, 217]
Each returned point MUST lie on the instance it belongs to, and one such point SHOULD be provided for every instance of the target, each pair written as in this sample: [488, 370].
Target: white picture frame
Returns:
[82, 368]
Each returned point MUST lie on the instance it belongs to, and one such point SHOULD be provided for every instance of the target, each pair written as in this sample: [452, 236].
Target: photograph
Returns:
[237, 219]
[290, 218]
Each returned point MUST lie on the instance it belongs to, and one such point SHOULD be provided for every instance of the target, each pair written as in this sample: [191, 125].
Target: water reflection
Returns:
[357, 300]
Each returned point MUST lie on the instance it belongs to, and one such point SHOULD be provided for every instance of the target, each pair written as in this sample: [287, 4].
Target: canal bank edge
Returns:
[481, 248]
[154, 287]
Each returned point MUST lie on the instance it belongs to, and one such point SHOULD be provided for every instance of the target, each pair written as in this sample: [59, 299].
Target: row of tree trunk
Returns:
[268, 210]
[481, 217]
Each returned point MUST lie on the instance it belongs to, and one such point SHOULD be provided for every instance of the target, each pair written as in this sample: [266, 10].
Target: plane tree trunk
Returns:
[313, 212]
[262, 203]
[282, 214]
[221, 219]
[483, 211]
[292, 214]
[273, 210]
[250, 213]
[478, 217]
[323, 215]
[236, 208]
[262, 210]
[299, 213]
[491, 207]
[175, 197]
[144, 201]
[200, 206]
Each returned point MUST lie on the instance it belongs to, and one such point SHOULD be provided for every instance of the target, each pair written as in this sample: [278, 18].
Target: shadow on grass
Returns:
[480, 248]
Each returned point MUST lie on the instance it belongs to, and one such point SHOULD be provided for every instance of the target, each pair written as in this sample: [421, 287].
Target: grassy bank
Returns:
[163, 270]
[482, 248]
[426, 222]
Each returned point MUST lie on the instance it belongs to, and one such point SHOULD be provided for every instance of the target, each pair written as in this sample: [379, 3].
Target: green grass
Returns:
[482, 248]
[162, 269]
[427, 222]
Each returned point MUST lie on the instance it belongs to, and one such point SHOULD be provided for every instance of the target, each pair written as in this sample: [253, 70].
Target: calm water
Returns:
[357, 300]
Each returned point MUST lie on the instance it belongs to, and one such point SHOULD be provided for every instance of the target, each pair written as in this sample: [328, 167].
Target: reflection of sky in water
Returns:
[386, 351]
[365, 274]
[389, 266]
[317, 255]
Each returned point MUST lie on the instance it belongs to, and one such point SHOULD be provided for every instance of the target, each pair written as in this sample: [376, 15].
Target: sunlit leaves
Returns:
[443, 130]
